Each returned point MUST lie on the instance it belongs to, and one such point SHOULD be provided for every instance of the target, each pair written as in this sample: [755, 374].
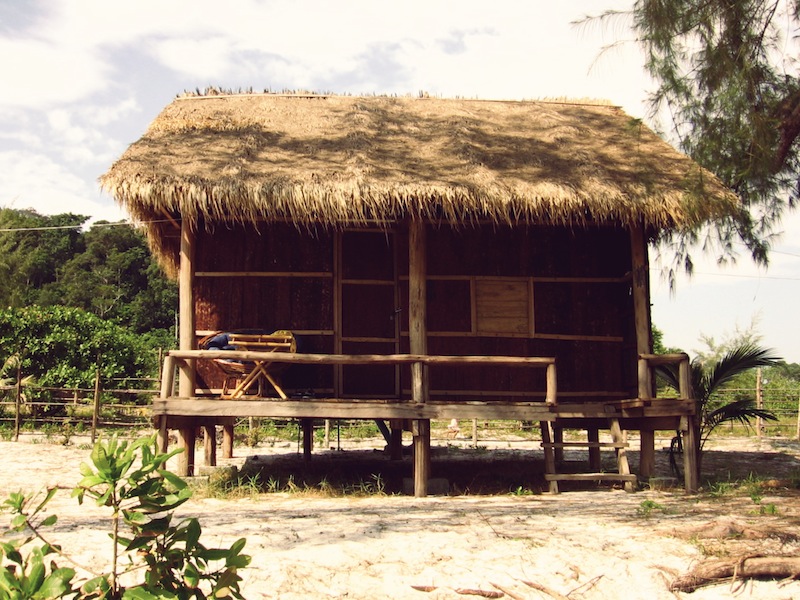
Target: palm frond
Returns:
[736, 361]
[741, 411]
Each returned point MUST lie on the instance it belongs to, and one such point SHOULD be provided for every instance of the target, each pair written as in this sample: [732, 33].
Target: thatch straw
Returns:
[338, 160]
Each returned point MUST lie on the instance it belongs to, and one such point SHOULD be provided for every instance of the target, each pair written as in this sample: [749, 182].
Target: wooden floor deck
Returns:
[185, 413]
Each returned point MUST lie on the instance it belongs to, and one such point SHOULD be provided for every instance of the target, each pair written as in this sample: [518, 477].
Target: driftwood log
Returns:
[748, 567]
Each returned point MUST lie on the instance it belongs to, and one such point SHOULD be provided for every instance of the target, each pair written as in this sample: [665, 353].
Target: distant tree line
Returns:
[74, 299]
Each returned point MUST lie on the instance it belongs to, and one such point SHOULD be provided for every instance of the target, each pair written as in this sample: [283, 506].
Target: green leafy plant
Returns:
[646, 508]
[708, 377]
[33, 574]
[131, 480]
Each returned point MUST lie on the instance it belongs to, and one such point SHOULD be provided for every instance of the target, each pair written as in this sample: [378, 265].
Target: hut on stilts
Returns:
[413, 259]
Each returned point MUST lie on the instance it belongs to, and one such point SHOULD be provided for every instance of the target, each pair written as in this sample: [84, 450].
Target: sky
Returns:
[80, 80]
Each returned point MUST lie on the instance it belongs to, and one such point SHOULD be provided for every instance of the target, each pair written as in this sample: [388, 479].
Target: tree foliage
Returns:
[64, 346]
[107, 270]
[727, 77]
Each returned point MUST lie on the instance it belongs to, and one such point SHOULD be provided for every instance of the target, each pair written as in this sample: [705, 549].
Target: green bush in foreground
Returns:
[129, 479]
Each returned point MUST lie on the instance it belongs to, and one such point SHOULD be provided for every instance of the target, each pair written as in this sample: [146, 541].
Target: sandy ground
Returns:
[579, 544]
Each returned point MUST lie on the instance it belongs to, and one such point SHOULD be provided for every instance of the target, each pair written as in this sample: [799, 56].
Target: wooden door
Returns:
[368, 317]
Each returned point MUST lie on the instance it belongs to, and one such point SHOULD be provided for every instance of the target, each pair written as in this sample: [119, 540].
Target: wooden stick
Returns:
[544, 589]
[716, 571]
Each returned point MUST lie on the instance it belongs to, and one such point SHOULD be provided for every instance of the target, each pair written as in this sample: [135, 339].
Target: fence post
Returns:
[96, 411]
[18, 402]
[798, 419]
[759, 402]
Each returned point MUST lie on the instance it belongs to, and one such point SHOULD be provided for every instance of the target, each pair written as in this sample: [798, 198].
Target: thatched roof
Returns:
[335, 160]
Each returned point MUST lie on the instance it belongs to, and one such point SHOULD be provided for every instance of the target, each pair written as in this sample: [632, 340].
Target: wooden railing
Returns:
[648, 362]
[182, 359]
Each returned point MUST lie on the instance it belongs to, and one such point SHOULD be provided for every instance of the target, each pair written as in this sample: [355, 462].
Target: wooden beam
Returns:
[364, 359]
[349, 409]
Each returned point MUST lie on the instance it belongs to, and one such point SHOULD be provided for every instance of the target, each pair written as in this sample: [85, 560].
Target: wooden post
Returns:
[759, 401]
[167, 387]
[308, 437]
[549, 455]
[595, 459]
[558, 438]
[96, 408]
[210, 444]
[691, 451]
[186, 441]
[640, 288]
[186, 341]
[396, 443]
[18, 402]
[162, 435]
[418, 344]
[227, 438]
[647, 440]
[690, 428]
[797, 430]
[474, 433]
[421, 430]
[552, 385]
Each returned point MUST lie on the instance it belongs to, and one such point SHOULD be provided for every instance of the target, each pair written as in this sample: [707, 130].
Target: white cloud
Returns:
[29, 180]
[40, 74]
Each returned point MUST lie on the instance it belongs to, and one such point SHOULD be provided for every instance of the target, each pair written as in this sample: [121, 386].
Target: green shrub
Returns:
[131, 481]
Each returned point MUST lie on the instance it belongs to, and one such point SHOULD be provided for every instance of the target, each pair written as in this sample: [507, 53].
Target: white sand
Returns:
[583, 545]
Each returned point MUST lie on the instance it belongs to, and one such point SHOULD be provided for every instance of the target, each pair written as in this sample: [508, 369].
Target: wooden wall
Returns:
[529, 291]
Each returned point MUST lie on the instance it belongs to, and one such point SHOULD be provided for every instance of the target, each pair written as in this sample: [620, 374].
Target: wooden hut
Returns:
[434, 258]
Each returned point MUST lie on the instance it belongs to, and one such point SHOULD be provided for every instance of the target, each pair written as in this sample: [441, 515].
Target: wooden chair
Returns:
[242, 375]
